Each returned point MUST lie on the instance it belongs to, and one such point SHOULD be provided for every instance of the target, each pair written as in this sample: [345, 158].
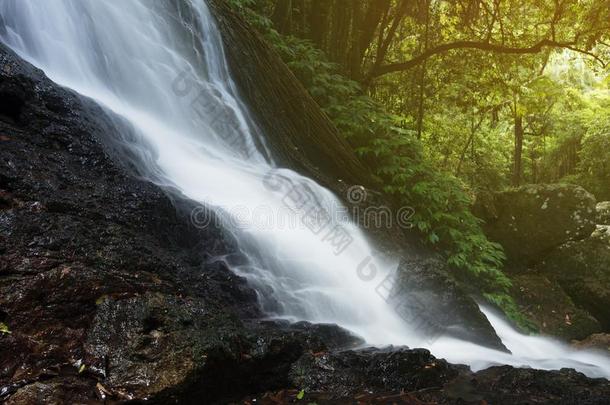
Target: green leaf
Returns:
[301, 395]
[81, 368]
[4, 329]
[101, 299]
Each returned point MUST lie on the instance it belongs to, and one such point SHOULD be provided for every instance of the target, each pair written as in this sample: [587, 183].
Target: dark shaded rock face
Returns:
[567, 293]
[531, 221]
[582, 269]
[76, 231]
[506, 385]
[109, 293]
[552, 310]
[431, 301]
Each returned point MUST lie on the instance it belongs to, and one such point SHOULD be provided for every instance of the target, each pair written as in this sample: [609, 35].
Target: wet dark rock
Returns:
[67, 390]
[331, 380]
[531, 221]
[77, 232]
[507, 385]
[372, 370]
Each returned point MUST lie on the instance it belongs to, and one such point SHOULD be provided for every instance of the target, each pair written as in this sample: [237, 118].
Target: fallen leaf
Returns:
[65, 271]
[102, 391]
[4, 329]
[101, 299]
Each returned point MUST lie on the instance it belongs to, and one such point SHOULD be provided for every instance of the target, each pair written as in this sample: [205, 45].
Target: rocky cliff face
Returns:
[107, 292]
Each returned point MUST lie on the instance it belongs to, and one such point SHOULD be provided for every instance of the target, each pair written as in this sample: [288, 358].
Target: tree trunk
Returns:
[340, 32]
[518, 154]
[422, 77]
[318, 21]
[385, 43]
[282, 16]
[364, 33]
[353, 61]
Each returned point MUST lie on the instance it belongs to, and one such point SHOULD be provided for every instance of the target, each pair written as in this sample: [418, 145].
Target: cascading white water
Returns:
[161, 67]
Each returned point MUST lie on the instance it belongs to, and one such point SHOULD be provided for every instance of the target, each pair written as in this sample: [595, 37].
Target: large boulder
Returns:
[157, 346]
[582, 268]
[603, 213]
[532, 220]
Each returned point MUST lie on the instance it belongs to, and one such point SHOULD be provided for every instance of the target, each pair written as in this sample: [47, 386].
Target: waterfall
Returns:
[160, 66]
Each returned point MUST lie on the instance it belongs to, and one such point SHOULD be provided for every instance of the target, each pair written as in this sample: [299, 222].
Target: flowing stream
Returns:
[160, 66]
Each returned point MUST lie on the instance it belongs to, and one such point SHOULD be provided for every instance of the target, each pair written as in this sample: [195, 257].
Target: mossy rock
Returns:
[532, 220]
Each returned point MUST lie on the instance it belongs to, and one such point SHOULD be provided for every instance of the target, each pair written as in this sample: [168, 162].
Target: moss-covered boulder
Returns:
[533, 220]
[603, 213]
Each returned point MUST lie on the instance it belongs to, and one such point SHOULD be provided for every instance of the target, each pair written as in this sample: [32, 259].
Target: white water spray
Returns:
[161, 67]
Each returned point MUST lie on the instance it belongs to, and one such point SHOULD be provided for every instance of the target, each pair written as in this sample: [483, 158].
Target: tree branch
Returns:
[483, 46]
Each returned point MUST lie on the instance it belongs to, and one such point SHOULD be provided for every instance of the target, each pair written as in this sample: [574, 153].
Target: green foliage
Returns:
[594, 167]
[442, 209]
[593, 171]
[4, 329]
[301, 395]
